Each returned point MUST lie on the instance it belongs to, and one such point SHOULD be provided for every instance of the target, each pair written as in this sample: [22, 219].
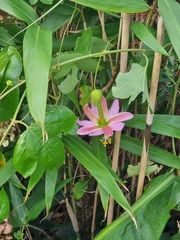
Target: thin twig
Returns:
[40, 230]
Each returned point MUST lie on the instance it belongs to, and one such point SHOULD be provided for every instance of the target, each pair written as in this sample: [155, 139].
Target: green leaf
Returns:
[51, 156]
[169, 9]
[7, 171]
[84, 43]
[50, 184]
[37, 48]
[6, 38]
[161, 196]
[73, 96]
[31, 150]
[47, 1]
[19, 209]
[32, 2]
[59, 121]
[12, 72]
[83, 153]
[85, 94]
[39, 205]
[4, 205]
[70, 82]
[146, 37]
[34, 179]
[19, 9]
[131, 84]
[88, 65]
[25, 153]
[129, 6]
[99, 152]
[15, 181]
[156, 154]
[150, 168]
[176, 237]
[80, 188]
[162, 124]
[5, 56]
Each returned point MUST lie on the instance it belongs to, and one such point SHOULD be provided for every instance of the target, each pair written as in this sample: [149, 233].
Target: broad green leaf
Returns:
[100, 45]
[131, 84]
[169, 9]
[80, 188]
[32, 2]
[150, 168]
[34, 179]
[64, 70]
[39, 206]
[37, 49]
[84, 43]
[70, 82]
[50, 184]
[19, 209]
[52, 155]
[31, 150]
[59, 121]
[129, 6]
[6, 172]
[4, 205]
[25, 153]
[19, 9]
[11, 74]
[151, 210]
[82, 152]
[146, 37]
[156, 154]
[47, 1]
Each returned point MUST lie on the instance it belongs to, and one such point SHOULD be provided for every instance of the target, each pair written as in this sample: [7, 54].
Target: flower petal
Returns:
[120, 117]
[107, 130]
[97, 133]
[118, 126]
[104, 107]
[114, 109]
[90, 114]
[86, 123]
[87, 130]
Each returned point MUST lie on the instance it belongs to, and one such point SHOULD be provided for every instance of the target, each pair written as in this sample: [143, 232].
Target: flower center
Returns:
[102, 120]
[105, 140]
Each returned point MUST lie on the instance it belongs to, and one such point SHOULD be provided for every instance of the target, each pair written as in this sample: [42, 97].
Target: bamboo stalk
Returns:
[150, 113]
[123, 67]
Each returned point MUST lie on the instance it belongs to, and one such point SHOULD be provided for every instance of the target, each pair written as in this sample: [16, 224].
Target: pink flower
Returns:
[102, 120]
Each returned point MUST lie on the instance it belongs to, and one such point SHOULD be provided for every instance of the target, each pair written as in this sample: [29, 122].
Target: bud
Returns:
[96, 97]
[9, 83]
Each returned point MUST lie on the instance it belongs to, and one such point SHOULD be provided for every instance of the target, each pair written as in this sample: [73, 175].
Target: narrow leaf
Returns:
[146, 37]
[19, 9]
[37, 48]
[7, 171]
[169, 10]
[50, 184]
[81, 151]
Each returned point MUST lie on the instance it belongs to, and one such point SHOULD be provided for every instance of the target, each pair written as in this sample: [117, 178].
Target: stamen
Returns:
[106, 140]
